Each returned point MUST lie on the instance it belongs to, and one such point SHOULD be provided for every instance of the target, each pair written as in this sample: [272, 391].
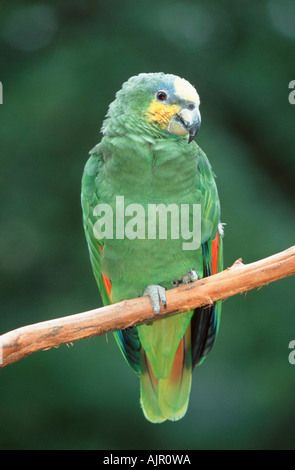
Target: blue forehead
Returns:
[155, 82]
[168, 86]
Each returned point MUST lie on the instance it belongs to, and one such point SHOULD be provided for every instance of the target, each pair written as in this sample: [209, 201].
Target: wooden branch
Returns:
[238, 278]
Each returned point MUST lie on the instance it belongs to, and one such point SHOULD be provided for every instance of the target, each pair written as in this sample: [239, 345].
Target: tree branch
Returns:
[238, 278]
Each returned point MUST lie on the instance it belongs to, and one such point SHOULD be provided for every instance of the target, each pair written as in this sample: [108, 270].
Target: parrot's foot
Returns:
[191, 276]
[157, 295]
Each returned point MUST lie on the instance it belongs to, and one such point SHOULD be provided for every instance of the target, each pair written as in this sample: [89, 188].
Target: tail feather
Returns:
[149, 392]
[174, 391]
[167, 398]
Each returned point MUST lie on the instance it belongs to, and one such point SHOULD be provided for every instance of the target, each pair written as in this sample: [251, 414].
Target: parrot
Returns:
[147, 160]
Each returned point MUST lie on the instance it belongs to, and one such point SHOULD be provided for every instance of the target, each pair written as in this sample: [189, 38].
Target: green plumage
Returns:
[141, 161]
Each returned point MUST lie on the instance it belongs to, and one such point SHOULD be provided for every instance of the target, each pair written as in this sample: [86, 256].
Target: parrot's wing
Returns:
[127, 340]
[205, 321]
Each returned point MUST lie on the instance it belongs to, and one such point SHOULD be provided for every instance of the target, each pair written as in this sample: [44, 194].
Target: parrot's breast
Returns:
[156, 198]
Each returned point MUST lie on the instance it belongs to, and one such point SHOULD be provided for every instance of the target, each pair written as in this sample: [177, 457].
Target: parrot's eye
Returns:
[161, 95]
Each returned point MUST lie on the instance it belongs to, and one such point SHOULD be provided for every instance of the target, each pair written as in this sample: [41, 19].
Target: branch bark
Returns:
[239, 278]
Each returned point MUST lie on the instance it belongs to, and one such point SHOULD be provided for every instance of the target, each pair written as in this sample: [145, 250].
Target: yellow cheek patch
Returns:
[185, 91]
[161, 113]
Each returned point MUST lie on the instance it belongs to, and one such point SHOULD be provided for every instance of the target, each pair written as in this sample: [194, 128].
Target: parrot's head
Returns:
[162, 102]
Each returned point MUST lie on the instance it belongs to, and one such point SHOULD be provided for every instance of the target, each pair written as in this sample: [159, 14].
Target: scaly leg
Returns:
[157, 294]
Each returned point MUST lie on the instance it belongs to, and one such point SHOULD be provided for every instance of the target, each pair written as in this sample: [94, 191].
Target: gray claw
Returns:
[157, 294]
[191, 276]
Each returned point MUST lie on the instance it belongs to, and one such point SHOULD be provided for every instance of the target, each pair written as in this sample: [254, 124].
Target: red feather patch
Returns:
[106, 281]
[214, 253]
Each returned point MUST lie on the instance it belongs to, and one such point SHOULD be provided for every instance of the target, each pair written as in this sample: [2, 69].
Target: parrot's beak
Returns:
[186, 121]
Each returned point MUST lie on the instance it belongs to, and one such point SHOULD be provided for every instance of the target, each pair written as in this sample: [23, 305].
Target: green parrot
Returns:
[147, 167]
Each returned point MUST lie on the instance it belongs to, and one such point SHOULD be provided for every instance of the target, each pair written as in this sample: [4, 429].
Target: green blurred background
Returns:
[61, 63]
